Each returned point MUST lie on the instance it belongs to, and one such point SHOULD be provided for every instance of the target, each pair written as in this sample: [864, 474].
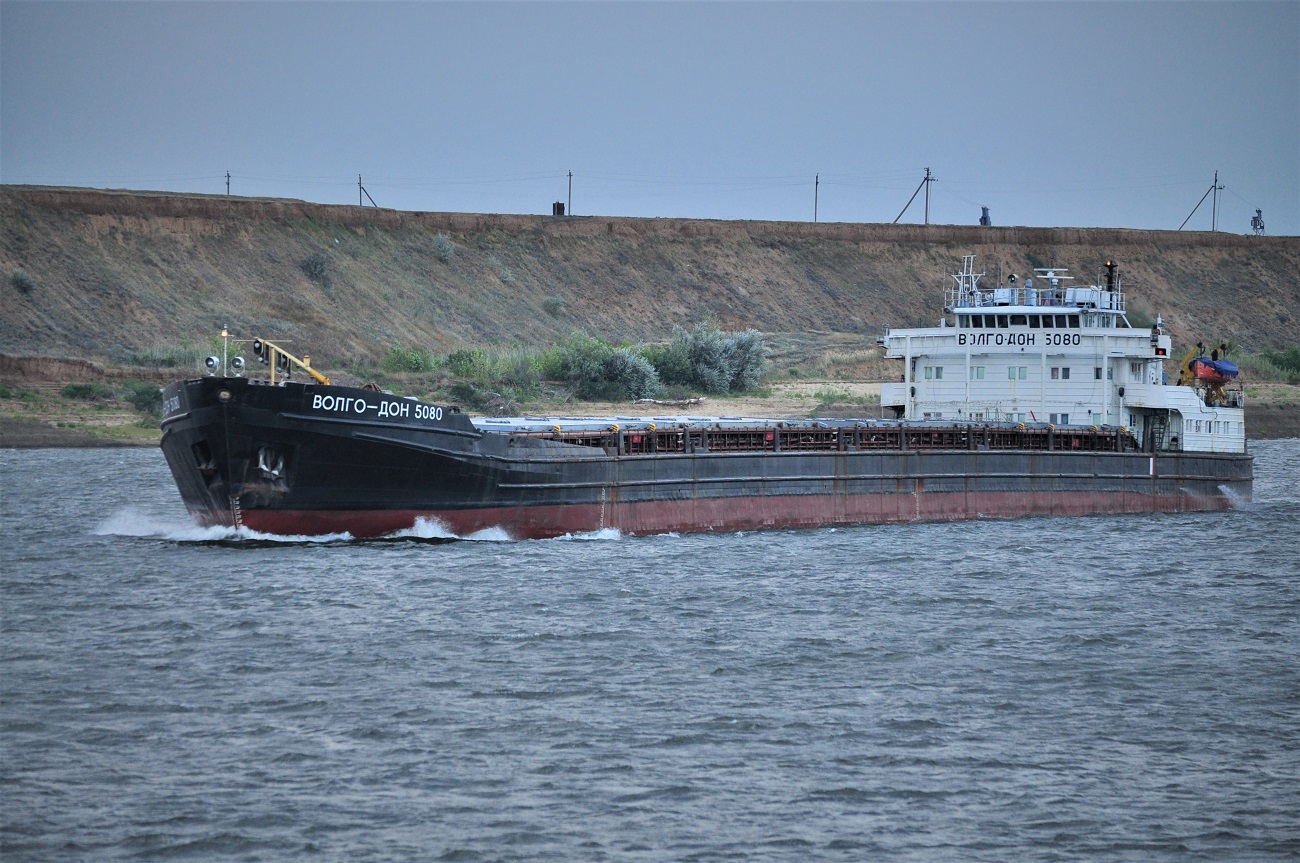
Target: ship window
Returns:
[938, 373]
[977, 321]
[929, 373]
[1065, 373]
[1061, 321]
[963, 320]
[1017, 320]
[1002, 320]
[1033, 321]
[1135, 371]
[1096, 373]
[1074, 320]
[1198, 425]
[990, 321]
[1056, 373]
[1047, 321]
[977, 373]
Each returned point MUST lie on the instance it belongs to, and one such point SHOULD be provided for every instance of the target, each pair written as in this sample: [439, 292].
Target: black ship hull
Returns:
[312, 460]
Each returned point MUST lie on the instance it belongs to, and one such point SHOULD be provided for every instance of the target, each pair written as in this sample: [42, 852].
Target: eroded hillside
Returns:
[114, 272]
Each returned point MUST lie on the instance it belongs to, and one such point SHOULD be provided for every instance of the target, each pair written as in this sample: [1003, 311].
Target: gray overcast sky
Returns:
[1054, 113]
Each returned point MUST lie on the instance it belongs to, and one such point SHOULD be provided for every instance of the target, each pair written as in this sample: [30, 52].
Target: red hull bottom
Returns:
[714, 514]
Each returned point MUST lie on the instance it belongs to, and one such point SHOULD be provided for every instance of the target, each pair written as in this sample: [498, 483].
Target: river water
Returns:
[1106, 688]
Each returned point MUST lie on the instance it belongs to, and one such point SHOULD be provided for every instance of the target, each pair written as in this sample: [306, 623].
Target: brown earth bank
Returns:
[105, 274]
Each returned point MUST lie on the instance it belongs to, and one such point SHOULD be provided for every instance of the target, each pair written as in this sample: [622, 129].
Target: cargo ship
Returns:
[1025, 400]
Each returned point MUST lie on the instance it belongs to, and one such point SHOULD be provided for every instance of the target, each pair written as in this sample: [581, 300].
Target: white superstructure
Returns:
[1054, 353]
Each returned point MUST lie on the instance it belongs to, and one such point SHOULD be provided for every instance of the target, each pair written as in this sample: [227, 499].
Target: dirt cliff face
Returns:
[113, 272]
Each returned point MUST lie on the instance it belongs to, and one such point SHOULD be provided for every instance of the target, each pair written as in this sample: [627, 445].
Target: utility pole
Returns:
[570, 210]
[227, 184]
[361, 190]
[926, 183]
[817, 182]
[1214, 188]
[1214, 205]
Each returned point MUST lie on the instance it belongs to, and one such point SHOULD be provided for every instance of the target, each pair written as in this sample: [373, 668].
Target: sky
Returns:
[1080, 114]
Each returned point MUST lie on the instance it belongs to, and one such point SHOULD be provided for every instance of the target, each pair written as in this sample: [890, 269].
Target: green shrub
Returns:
[144, 396]
[748, 359]
[23, 281]
[632, 374]
[517, 370]
[399, 359]
[466, 363]
[168, 357]
[5, 392]
[553, 306]
[672, 360]
[443, 247]
[316, 267]
[579, 360]
[91, 392]
[1287, 360]
[711, 360]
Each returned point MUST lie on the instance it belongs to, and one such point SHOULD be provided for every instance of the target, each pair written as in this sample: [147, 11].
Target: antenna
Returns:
[817, 182]
[1257, 222]
[227, 184]
[926, 183]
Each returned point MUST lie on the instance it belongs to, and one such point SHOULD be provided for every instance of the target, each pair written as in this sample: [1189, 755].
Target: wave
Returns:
[132, 523]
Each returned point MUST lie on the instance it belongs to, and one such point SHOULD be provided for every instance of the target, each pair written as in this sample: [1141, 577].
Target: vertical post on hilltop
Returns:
[817, 182]
[928, 181]
[359, 190]
[570, 210]
[227, 184]
[1214, 205]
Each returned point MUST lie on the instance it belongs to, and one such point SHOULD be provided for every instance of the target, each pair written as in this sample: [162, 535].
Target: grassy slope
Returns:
[120, 271]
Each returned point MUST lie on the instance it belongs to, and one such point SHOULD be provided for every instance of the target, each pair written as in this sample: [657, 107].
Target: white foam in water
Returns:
[425, 528]
[489, 534]
[605, 533]
[133, 523]
[1237, 501]
[432, 528]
